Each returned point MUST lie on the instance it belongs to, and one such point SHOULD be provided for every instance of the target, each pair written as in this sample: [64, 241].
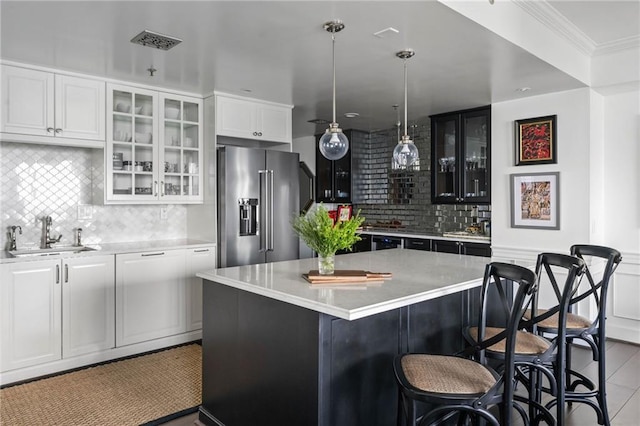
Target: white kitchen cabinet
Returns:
[154, 147]
[198, 260]
[30, 313]
[88, 304]
[44, 107]
[56, 308]
[252, 119]
[150, 295]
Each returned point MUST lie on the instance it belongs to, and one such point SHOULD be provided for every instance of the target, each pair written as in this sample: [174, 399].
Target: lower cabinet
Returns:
[150, 295]
[30, 314]
[198, 260]
[88, 305]
[56, 308]
[158, 294]
[461, 247]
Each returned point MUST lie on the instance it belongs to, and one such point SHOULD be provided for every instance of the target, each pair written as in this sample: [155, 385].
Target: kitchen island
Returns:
[280, 351]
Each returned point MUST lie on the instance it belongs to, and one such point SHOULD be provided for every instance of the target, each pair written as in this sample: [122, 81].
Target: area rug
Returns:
[133, 391]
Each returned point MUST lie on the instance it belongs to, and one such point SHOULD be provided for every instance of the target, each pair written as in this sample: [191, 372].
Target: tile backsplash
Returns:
[41, 180]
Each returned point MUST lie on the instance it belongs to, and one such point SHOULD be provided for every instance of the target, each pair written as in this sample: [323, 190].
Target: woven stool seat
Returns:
[526, 343]
[446, 374]
[573, 321]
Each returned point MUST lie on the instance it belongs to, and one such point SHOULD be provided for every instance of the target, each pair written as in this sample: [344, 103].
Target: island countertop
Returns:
[417, 276]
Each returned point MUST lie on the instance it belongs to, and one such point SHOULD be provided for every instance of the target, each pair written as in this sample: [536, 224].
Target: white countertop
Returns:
[417, 276]
[118, 248]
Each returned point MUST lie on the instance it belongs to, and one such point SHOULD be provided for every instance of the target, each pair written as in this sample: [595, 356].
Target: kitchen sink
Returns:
[54, 251]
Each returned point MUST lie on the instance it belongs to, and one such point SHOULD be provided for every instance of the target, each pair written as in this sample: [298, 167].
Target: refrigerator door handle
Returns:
[264, 212]
[270, 210]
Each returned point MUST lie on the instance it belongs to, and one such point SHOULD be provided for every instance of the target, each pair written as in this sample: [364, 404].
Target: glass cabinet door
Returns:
[181, 159]
[445, 149]
[475, 154]
[130, 145]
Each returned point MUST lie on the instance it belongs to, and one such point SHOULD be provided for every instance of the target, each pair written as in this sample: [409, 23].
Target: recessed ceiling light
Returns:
[351, 114]
[523, 89]
[319, 121]
[386, 32]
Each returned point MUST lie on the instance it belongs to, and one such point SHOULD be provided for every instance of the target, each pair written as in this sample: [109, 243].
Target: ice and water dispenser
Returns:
[248, 216]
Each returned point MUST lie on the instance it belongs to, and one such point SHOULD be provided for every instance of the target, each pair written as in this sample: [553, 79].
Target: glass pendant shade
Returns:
[405, 153]
[334, 144]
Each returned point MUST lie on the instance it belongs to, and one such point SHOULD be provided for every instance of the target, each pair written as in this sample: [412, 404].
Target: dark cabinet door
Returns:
[461, 247]
[445, 246]
[476, 249]
[417, 244]
[333, 178]
[460, 164]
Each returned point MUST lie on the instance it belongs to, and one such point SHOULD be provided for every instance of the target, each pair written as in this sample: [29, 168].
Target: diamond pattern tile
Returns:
[40, 180]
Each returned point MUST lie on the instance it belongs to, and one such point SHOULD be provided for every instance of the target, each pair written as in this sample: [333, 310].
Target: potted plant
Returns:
[318, 231]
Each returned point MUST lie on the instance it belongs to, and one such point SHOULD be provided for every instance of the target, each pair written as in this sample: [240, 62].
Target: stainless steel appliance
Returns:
[257, 196]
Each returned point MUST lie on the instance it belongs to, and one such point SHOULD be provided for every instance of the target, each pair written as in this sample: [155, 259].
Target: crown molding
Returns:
[558, 23]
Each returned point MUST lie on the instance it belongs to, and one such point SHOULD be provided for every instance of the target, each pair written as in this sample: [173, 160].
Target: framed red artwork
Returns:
[536, 141]
[344, 213]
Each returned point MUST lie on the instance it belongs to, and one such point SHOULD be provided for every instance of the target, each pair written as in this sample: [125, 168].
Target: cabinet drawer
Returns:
[417, 244]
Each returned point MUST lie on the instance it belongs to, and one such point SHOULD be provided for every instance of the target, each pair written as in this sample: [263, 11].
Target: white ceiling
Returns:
[278, 51]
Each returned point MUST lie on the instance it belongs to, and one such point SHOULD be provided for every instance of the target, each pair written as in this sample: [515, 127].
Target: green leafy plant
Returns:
[318, 231]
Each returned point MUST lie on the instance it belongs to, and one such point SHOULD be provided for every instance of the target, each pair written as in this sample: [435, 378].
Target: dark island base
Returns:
[268, 362]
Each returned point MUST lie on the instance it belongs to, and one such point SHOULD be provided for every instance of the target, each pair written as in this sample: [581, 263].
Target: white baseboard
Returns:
[27, 373]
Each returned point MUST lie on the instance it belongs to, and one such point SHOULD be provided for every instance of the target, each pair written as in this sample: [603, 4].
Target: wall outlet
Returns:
[163, 213]
[85, 211]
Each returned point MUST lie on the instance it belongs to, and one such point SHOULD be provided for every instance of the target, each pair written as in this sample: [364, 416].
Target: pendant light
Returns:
[334, 144]
[405, 153]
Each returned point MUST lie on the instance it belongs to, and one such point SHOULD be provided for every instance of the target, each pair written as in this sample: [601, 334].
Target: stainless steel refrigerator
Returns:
[257, 197]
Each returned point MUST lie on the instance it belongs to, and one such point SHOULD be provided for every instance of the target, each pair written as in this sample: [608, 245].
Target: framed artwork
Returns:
[535, 200]
[344, 213]
[536, 141]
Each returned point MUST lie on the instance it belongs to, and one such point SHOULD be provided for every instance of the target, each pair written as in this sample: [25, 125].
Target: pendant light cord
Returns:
[333, 53]
[405, 97]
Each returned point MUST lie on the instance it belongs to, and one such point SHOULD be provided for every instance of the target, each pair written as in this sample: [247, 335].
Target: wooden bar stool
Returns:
[464, 388]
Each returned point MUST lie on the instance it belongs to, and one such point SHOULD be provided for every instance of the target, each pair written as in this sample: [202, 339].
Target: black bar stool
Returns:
[464, 388]
[578, 327]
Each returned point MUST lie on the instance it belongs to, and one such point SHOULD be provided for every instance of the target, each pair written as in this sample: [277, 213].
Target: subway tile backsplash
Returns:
[41, 180]
[382, 194]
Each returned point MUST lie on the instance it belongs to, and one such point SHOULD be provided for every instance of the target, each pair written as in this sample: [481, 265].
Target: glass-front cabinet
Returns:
[154, 143]
[460, 161]
[333, 177]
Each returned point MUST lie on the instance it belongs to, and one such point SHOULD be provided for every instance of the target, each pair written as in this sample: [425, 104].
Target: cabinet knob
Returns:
[255, 133]
[58, 131]
[50, 129]
[259, 133]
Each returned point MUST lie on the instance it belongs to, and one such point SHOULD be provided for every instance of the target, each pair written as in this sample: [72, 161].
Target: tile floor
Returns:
[623, 387]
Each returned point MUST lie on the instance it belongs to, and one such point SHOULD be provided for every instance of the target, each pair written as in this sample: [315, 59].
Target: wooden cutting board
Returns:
[346, 277]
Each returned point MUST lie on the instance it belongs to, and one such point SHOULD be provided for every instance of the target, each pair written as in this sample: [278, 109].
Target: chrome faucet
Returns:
[12, 237]
[46, 237]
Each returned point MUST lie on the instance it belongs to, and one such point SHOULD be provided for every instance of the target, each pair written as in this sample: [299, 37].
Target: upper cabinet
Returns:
[43, 107]
[154, 147]
[333, 177]
[252, 119]
[460, 157]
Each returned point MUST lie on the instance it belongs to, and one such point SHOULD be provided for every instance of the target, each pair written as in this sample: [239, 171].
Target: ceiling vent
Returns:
[159, 41]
